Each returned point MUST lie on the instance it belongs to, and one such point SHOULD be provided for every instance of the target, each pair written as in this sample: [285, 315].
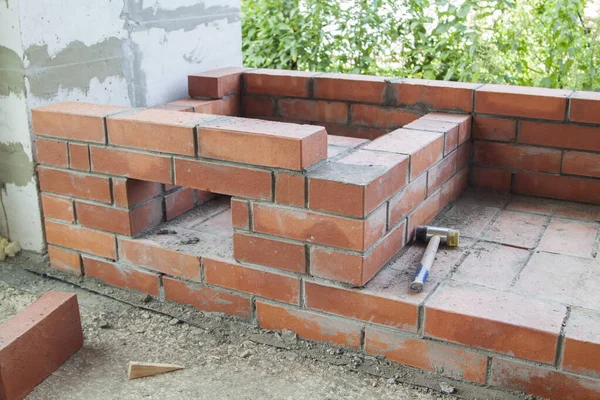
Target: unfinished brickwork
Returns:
[328, 175]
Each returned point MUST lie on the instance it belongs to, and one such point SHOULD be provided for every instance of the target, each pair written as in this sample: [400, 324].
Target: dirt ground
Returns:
[223, 358]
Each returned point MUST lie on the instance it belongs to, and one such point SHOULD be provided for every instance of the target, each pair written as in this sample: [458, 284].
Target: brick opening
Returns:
[317, 217]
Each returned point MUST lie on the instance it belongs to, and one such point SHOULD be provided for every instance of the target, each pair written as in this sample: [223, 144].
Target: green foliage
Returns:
[529, 42]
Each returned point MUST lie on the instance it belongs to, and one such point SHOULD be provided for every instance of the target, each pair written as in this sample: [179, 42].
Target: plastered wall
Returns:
[127, 52]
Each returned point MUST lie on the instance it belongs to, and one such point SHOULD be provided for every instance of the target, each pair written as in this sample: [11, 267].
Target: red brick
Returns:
[79, 121]
[216, 83]
[130, 192]
[146, 254]
[37, 341]
[277, 82]
[65, 260]
[290, 189]
[579, 163]
[489, 128]
[585, 107]
[503, 322]
[425, 212]
[58, 208]
[74, 184]
[519, 101]
[240, 214]
[453, 187]
[206, 298]
[156, 130]
[520, 157]
[282, 145]
[492, 178]
[360, 305]
[319, 228]
[121, 276]
[82, 239]
[313, 110]
[582, 344]
[559, 135]
[432, 356]
[543, 382]
[269, 252]
[51, 152]
[356, 269]
[227, 106]
[406, 201]
[105, 218]
[441, 172]
[463, 155]
[380, 117]
[349, 87]
[464, 122]
[129, 164]
[557, 187]
[309, 325]
[79, 156]
[424, 148]
[450, 130]
[260, 283]
[358, 183]
[436, 94]
[258, 106]
[178, 203]
[225, 179]
[204, 197]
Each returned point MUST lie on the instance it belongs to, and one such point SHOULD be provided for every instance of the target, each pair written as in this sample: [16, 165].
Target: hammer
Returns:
[432, 235]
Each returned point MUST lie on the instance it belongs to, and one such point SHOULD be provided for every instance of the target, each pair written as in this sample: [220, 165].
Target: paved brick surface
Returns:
[569, 237]
[516, 229]
[582, 343]
[492, 265]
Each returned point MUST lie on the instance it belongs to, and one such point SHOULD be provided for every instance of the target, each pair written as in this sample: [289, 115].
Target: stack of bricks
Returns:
[315, 216]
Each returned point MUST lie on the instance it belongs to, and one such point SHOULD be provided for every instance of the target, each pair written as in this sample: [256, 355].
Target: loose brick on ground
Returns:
[490, 319]
[358, 183]
[37, 341]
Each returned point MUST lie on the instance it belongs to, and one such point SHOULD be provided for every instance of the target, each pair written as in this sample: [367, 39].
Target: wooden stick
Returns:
[142, 369]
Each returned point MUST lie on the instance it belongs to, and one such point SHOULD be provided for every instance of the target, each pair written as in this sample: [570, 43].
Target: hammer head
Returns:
[448, 236]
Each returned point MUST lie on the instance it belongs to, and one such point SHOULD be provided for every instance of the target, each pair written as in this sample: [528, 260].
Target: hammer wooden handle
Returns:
[420, 278]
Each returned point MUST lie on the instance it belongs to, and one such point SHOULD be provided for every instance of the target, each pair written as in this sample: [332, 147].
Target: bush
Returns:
[544, 43]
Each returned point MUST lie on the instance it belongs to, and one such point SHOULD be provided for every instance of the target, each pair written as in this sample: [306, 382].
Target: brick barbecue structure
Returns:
[328, 176]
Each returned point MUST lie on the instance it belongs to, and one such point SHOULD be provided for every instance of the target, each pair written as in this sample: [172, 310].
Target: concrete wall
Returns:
[120, 52]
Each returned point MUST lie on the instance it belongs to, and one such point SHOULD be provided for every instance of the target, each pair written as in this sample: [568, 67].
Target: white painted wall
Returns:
[120, 52]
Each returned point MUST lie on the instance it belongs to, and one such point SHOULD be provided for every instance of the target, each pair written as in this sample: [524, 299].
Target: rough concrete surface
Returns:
[224, 358]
